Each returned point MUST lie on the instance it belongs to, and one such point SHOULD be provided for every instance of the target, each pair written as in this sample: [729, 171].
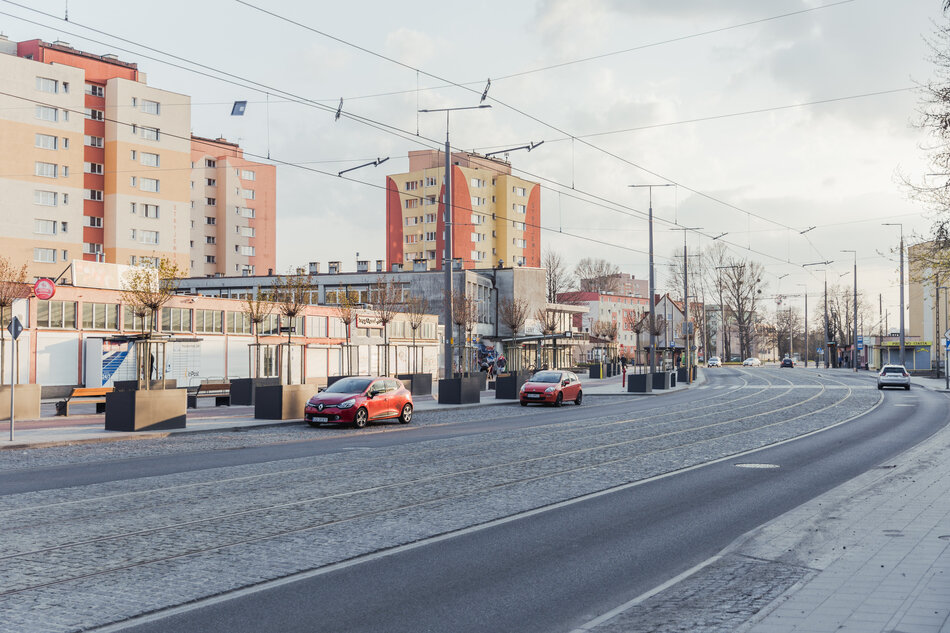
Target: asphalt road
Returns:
[439, 529]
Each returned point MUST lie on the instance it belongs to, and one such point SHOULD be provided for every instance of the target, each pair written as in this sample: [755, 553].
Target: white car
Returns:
[714, 361]
[751, 362]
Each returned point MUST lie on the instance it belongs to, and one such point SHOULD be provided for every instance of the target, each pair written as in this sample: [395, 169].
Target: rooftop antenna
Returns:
[485, 93]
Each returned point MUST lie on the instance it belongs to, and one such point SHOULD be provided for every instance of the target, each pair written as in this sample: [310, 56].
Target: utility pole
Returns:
[854, 341]
[903, 359]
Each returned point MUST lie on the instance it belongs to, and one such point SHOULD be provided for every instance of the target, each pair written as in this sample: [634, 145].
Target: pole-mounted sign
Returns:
[15, 328]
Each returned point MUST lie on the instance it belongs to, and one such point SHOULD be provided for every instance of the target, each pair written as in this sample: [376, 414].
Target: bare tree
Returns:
[605, 330]
[145, 289]
[257, 310]
[513, 312]
[463, 316]
[742, 290]
[416, 308]
[636, 323]
[557, 277]
[347, 301]
[12, 287]
[385, 300]
[292, 295]
[597, 275]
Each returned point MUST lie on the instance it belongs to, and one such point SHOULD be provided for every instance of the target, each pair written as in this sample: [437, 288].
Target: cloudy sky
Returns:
[770, 116]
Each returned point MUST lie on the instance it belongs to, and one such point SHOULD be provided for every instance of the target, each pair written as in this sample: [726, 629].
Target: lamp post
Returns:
[687, 348]
[903, 361]
[946, 354]
[805, 286]
[652, 279]
[854, 346]
[447, 255]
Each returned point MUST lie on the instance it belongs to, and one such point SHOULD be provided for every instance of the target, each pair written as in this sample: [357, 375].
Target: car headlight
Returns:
[550, 390]
[523, 388]
[346, 404]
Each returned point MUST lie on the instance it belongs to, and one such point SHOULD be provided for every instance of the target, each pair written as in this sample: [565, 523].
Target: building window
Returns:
[44, 227]
[150, 237]
[150, 107]
[211, 182]
[56, 314]
[92, 168]
[430, 236]
[245, 231]
[46, 170]
[148, 133]
[133, 234]
[95, 115]
[210, 162]
[91, 249]
[95, 91]
[131, 321]
[176, 320]
[412, 221]
[210, 220]
[45, 113]
[44, 255]
[149, 159]
[430, 218]
[100, 316]
[209, 259]
[93, 221]
[94, 194]
[211, 202]
[412, 203]
[519, 208]
[519, 243]
[45, 198]
[238, 323]
[47, 85]
[150, 210]
[245, 212]
[94, 141]
[210, 239]
[247, 251]
[247, 174]
[208, 321]
[412, 239]
[149, 184]
[46, 141]
[247, 194]
[518, 191]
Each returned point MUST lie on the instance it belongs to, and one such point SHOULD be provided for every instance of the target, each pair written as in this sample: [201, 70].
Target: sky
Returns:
[769, 116]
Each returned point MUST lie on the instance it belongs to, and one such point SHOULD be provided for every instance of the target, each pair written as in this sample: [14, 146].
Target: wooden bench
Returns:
[220, 391]
[81, 395]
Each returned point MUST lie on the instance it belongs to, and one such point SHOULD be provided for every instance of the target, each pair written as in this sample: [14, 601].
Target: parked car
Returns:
[552, 387]
[751, 362]
[893, 376]
[360, 400]
[714, 361]
[787, 362]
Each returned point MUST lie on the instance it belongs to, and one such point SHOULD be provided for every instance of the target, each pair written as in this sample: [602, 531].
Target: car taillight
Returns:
[905, 375]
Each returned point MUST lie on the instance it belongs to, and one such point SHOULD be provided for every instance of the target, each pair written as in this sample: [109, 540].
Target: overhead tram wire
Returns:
[513, 109]
[354, 180]
[404, 134]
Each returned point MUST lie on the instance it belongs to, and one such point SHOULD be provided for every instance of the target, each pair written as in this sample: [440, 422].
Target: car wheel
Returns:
[523, 403]
[907, 387]
[580, 396]
[880, 388]
[559, 400]
[406, 416]
[361, 418]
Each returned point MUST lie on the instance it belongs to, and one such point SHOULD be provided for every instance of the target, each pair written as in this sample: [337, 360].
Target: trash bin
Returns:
[60, 407]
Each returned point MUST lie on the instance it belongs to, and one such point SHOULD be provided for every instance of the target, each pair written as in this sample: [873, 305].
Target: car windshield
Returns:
[893, 370]
[547, 376]
[349, 385]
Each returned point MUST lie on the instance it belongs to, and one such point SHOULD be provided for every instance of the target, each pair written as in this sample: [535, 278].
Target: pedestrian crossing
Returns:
[729, 387]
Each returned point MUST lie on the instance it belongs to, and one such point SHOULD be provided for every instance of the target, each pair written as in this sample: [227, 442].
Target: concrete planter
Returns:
[640, 383]
[608, 370]
[595, 371]
[26, 402]
[132, 385]
[243, 389]
[682, 374]
[672, 379]
[417, 384]
[151, 410]
[464, 390]
[508, 386]
[661, 380]
[282, 402]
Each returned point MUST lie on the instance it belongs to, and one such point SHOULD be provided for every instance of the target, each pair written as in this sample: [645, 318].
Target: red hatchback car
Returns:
[552, 387]
[360, 400]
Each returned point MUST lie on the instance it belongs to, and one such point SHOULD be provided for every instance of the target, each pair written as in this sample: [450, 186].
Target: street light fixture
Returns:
[903, 362]
[805, 286]
[652, 278]
[854, 347]
[447, 255]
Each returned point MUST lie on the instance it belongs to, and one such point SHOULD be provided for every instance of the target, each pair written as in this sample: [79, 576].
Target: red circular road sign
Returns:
[44, 289]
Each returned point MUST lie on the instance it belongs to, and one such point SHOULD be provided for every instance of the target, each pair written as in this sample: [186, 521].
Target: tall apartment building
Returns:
[96, 164]
[496, 216]
[234, 208]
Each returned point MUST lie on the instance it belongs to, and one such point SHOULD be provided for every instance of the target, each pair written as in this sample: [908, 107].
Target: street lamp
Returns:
[946, 355]
[901, 286]
[687, 348]
[824, 346]
[854, 347]
[805, 286]
[652, 279]
[447, 255]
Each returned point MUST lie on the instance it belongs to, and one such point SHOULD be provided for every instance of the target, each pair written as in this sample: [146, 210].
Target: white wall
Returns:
[57, 358]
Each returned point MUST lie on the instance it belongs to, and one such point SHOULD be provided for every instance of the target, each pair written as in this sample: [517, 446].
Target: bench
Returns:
[220, 391]
[81, 395]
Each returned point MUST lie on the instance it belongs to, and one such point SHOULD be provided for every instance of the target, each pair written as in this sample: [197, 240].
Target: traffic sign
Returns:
[44, 289]
[946, 334]
[946, 344]
[15, 328]
[821, 350]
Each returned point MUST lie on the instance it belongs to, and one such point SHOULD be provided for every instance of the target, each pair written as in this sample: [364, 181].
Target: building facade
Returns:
[102, 166]
[233, 211]
[496, 216]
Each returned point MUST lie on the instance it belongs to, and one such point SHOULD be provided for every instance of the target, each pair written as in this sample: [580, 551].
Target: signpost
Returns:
[15, 328]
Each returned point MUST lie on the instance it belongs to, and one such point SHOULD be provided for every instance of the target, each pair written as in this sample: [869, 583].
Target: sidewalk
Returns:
[87, 427]
[877, 549]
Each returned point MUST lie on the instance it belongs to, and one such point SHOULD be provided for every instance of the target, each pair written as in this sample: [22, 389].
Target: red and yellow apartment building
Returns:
[97, 164]
[496, 216]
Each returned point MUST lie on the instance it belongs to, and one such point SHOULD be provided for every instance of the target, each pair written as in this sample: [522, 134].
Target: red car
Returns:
[552, 387]
[360, 400]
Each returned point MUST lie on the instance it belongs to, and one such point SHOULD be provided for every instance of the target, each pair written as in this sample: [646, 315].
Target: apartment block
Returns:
[233, 211]
[496, 216]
